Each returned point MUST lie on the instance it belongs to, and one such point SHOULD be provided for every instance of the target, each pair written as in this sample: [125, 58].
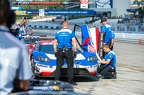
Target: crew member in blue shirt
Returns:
[65, 47]
[108, 34]
[15, 72]
[108, 64]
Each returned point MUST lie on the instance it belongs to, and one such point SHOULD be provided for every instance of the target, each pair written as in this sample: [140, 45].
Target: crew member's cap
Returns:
[103, 19]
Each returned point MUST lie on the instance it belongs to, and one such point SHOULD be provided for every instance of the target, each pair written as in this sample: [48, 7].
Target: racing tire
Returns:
[32, 67]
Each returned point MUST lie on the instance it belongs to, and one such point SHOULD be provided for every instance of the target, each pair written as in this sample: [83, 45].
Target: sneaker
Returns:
[106, 77]
[114, 75]
[98, 75]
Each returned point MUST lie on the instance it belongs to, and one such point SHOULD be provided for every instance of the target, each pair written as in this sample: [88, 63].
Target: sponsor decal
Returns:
[83, 3]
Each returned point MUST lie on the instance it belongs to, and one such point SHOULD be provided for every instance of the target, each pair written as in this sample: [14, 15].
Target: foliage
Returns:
[141, 11]
[141, 8]
[137, 1]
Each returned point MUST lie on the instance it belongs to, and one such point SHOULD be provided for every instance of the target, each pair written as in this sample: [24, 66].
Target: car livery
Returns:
[49, 85]
[30, 42]
[43, 61]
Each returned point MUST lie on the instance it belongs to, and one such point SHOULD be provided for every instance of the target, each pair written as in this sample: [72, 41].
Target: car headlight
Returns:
[92, 59]
[42, 58]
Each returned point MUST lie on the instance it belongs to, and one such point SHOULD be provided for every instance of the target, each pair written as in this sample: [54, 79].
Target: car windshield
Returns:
[29, 41]
[49, 49]
[46, 48]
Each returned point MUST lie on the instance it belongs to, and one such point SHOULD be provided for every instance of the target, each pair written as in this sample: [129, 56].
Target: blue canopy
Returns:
[132, 10]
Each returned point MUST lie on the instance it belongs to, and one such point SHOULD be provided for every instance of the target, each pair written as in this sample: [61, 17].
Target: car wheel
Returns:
[32, 65]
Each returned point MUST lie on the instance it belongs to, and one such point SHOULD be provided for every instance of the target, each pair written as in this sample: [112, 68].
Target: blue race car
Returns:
[43, 61]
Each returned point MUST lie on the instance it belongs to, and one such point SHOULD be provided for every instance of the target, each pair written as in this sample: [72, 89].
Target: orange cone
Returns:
[140, 41]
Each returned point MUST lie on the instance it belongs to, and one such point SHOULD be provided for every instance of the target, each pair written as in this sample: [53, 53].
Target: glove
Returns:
[56, 54]
[75, 54]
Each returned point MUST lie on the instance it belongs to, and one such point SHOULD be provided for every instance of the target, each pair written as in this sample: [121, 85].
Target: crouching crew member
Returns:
[107, 66]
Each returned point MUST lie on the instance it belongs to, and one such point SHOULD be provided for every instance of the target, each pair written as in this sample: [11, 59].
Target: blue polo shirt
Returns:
[14, 61]
[111, 55]
[64, 38]
[108, 33]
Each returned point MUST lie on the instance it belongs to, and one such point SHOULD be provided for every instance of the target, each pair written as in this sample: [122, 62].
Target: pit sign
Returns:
[84, 4]
[41, 12]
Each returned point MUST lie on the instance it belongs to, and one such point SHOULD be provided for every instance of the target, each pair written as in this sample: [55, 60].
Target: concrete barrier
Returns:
[136, 38]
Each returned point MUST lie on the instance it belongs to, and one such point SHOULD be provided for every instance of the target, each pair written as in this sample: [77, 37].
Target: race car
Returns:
[58, 19]
[30, 42]
[43, 61]
[50, 85]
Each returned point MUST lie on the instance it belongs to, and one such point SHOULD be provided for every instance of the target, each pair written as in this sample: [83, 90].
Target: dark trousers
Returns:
[106, 71]
[68, 56]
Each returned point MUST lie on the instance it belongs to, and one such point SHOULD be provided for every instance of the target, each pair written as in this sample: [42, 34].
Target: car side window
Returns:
[37, 46]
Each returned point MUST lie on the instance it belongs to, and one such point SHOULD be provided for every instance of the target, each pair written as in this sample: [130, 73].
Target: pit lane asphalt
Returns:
[130, 74]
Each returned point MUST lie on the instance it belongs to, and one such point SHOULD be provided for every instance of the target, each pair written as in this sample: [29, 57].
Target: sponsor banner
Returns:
[17, 8]
[36, 3]
[45, 3]
[64, 12]
[120, 28]
[84, 4]
[141, 28]
[103, 3]
[113, 28]
[20, 12]
[23, 0]
[131, 28]
[123, 28]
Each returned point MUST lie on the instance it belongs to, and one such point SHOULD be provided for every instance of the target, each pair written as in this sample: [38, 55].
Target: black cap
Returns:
[103, 19]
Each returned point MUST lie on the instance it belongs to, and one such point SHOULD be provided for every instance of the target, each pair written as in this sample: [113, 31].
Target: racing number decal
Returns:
[84, 1]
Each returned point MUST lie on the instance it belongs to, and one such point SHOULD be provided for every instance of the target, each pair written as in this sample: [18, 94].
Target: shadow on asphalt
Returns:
[76, 79]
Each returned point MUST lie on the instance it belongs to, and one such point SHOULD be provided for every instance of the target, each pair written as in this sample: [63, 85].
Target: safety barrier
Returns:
[44, 27]
[135, 41]
[135, 38]
[121, 28]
